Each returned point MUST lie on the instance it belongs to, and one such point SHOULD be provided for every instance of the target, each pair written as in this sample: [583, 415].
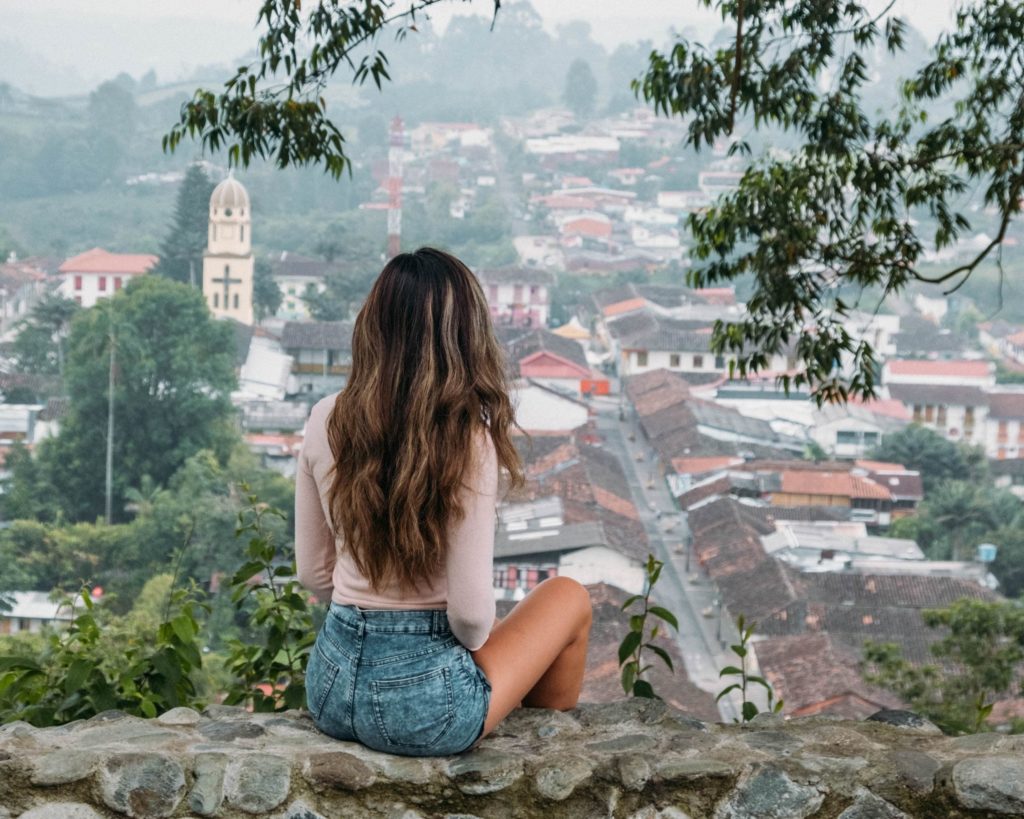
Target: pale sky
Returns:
[98, 39]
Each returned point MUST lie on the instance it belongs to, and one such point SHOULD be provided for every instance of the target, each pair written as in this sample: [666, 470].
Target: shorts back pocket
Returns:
[416, 711]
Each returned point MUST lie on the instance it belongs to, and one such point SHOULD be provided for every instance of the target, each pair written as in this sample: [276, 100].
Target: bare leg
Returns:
[537, 654]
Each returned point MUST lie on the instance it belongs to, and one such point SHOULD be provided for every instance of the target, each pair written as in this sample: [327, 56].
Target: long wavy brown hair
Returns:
[427, 372]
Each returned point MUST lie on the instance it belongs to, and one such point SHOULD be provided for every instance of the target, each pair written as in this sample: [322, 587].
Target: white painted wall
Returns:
[601, 564]
[540, 410]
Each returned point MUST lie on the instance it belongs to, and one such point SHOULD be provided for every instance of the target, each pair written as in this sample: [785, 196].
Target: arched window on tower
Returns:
[241, 233]
[216, 301]
[213, 233]
[227, 269]
[236, 301]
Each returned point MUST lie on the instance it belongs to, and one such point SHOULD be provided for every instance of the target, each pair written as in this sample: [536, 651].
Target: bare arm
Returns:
[470, 565]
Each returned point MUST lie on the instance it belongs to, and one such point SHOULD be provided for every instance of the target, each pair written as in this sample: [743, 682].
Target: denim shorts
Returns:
[396, 681]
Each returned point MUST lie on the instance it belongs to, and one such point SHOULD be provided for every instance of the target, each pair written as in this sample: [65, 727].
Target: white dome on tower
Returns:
[229, 195]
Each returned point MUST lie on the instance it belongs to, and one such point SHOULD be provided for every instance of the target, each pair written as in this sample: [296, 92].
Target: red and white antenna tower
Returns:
[396, 146]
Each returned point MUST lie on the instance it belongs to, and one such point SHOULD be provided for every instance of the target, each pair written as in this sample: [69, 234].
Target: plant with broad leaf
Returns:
[634, 643]
[98, 664]
[748, 710]
[270, 674]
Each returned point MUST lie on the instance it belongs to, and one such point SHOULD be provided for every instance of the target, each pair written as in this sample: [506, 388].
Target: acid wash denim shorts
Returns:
[396, 681]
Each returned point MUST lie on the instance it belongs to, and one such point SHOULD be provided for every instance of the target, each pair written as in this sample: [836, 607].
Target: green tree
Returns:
[27, 491]
[580, 92]
[1009, 563]
[920, 448]
[846, 212]
[173, 378]
[978, 660]
[39, 346]
[266, 295]
[181, 254]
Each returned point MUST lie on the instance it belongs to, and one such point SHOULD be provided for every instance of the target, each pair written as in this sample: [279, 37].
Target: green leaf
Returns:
[730, 669]
[661, 653]
[184, 628]
[665, 615]
[642, 688]
[726, 690]
[629, 645]
[77, 672]
[628, 676]
[631, 600]
[749, 711]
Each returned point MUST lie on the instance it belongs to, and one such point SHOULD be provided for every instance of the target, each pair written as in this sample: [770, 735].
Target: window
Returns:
[291, 305]
[227, 269]
[236, 301]
[517, 294]
[103, 283]
[719, 362]
[929, 414]
[870, 438]
[641, 358]
[698, 362]
[117, 282]
[1003, 431]
[940, 418]
[216, 300]
[673, 360]
[241, 233]
[78, 282]
[845, 436]
[918, 413]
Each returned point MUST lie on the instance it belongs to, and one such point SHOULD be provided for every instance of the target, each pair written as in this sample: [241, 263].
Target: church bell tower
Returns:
[228, 261]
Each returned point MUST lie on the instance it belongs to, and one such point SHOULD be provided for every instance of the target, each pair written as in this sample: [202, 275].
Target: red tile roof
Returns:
[698, 466]
[813, 674]
[843, 484]
[624, 306]
[99, 260]
[962, 369]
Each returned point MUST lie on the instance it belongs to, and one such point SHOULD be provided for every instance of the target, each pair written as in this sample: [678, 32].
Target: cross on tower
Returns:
[227, 281]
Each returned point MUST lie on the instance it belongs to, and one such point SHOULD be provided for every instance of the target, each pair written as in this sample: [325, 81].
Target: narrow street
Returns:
[697, 638]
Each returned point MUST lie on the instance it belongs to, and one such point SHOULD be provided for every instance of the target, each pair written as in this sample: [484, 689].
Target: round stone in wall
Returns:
[142, 784]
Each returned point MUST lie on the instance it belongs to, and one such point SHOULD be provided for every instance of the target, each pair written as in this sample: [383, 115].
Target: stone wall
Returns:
[637, 759]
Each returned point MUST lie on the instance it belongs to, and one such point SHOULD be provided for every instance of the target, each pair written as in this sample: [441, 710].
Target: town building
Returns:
[98, 273]
[517, 296]
[321, 354]
[22, 284]
[294, 274]
[29, 611]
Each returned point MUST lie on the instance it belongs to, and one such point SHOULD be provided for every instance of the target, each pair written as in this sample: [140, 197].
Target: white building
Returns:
[534, 542]
[540, 408]
[228, 260]
[294, 274]
[850, 430]
[97, 273]
[517, 297]
[29, 611]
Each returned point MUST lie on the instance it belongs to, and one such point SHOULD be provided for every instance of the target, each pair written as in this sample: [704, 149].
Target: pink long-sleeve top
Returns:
[463, 588]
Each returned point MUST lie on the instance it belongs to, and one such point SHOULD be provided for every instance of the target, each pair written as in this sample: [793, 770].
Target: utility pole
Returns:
[110, 420]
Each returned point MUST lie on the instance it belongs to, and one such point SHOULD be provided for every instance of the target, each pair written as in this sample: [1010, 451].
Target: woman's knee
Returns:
[572, 593]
